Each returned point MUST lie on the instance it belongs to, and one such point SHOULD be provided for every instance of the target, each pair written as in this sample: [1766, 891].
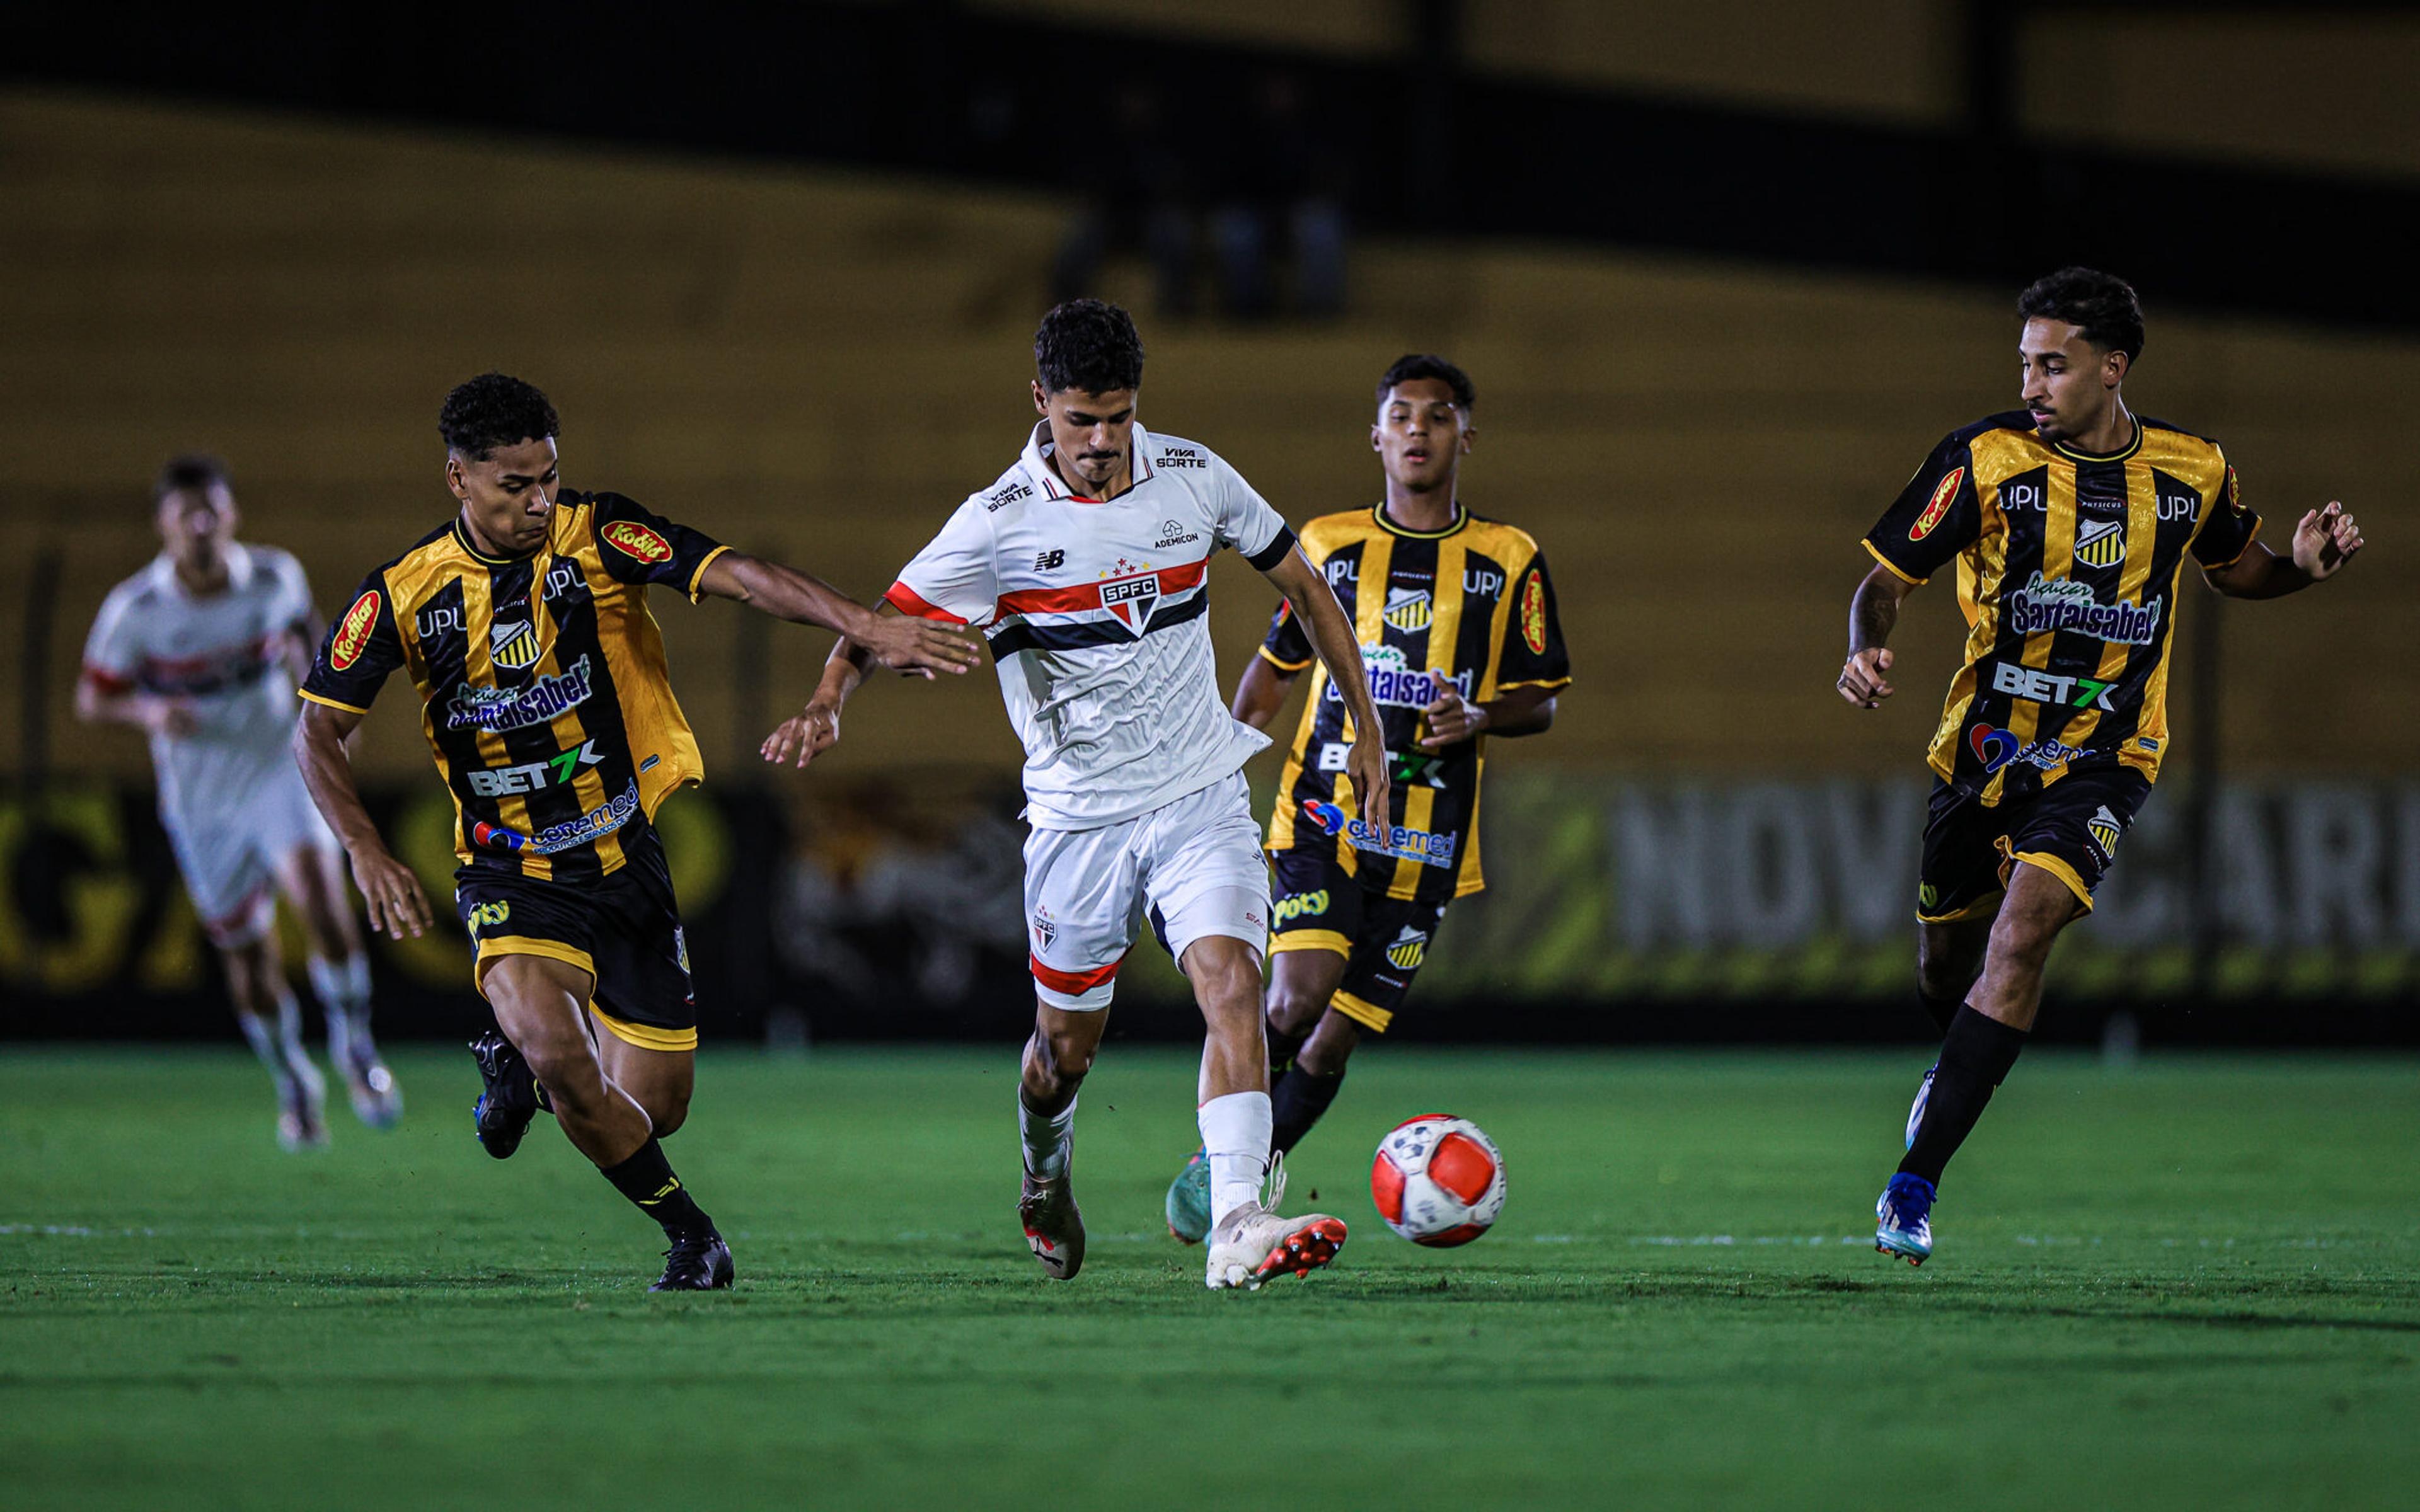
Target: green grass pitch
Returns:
[2193, 1284]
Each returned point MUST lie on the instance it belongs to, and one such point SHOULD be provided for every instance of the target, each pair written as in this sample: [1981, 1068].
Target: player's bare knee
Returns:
[666, 1110]
[1293, 1010]
[1056, 1062]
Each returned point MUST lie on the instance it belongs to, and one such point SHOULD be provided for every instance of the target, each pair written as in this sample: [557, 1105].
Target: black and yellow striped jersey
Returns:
[2068, 567]
[544, 690]
[1470, 606]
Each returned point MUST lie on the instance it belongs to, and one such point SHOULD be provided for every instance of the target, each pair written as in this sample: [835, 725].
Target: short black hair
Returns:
[1088, 346]
[194, 470]
[1429, 366]
[494, 410]
[2101, 305]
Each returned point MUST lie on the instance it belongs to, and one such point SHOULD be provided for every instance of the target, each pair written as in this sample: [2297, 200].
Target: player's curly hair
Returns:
[1088, 346]
[194, 470]
[492, 410]
[1429, 366]
[2101, 305]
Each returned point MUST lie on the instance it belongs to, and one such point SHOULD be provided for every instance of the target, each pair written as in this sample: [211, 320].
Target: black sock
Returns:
[647, 1179]
[1284, 1047]
[1939, 1009]
[1296, 1103]
[1975, 1056]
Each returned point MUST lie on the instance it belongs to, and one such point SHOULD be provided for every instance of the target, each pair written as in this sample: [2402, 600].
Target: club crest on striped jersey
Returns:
[2102, 544]
[513, 645]
[352, 635]
[1409, 610]
[637, 542]
[1131, 599]
[1941, 495]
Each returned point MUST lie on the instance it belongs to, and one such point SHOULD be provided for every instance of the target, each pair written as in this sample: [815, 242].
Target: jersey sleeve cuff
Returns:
[1270, 555]
[1896, 571]
[907, 601]
[2250, 536]
[1281, 664]
[697, 578]
[1550, 684]
[333, 704]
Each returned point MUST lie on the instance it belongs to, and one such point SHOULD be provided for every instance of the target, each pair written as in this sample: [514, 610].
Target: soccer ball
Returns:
[1437, 1181]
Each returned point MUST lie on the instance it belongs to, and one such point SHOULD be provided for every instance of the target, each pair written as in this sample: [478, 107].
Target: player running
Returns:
[1084, 565]
[201, 651]
[524, 625]
[2070, 520]
[1455, 617]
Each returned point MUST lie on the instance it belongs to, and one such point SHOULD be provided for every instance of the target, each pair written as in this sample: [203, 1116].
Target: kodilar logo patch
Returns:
[1941, 495]
[637, 542]
[353, 631]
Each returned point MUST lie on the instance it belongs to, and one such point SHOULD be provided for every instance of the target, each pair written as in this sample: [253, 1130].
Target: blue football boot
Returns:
[1915, 1109]
[1189, 1201]
[1903, 1219]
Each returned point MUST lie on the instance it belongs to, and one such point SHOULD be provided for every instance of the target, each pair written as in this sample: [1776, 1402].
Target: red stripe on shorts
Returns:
[1073, 984]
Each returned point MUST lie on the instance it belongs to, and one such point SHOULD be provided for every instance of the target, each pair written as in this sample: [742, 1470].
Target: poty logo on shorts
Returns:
[2061, 604]
[1996, 748]
[1426, 846]
[1304, 905]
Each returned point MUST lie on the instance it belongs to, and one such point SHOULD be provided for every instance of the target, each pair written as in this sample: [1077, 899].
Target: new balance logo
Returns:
[1049, 560]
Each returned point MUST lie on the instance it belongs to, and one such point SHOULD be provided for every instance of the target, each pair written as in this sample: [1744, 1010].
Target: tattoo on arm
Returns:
[1871, 616]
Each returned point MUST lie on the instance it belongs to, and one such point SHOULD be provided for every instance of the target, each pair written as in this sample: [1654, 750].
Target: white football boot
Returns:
[1252, 1243]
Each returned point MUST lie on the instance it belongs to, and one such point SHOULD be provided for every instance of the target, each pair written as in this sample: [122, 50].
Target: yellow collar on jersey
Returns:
[1461, 518]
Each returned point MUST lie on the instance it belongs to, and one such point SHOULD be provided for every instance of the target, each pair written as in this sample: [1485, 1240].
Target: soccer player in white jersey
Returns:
[201, 651]
[1084, 567]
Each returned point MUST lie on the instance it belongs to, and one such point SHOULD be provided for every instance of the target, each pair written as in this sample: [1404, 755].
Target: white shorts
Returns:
[1193, 865]
[229, 858]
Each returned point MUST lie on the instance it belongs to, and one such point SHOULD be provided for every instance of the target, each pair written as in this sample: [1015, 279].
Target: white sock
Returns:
[1236, 1138]
[1049, 1141]
[280, 1045]
[343, 988]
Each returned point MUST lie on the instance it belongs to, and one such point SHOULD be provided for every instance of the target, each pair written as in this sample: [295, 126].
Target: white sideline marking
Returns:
[77, 1231]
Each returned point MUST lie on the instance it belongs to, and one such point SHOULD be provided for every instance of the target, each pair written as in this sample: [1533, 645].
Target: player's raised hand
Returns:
[1861, 677]
[392, 890]
[1452, 719]
[919, 648]
[2325, 541]
[803, 737]
[1366, 764]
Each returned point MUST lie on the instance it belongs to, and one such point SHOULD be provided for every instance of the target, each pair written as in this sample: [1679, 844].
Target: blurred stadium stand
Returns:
[1723, 273]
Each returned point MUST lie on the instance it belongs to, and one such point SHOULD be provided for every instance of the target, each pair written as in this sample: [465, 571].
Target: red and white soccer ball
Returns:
[1437, 1181]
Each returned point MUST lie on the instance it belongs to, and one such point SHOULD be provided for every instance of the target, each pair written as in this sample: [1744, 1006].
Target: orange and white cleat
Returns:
[1254, 1244]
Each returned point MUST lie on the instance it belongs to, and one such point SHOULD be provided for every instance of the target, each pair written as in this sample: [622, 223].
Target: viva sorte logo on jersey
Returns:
[499, 709]
[1396, 683]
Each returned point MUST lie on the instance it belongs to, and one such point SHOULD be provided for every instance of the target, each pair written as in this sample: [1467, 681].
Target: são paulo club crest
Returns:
[1131, 599]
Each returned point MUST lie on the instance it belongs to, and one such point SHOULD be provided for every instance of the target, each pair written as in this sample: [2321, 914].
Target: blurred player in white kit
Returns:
[201, 651]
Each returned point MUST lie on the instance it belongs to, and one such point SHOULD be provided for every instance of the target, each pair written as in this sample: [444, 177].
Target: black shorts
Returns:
[2069, 829]
[1317, 906]
[625, 931]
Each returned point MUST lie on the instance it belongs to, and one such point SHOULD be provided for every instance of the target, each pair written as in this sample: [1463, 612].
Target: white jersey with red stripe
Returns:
[222, 655]
[1094, 612]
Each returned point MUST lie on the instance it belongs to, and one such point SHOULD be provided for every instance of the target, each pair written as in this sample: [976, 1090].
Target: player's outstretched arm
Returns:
[917, 646]
[815, 729]
[2324, 541]
[397, 903]
[148, 712]
[1332, 637]
[1872, 615]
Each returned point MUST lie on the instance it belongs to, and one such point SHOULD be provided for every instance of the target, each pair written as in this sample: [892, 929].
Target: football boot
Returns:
[1054, 1230]
[1189, 1201]
[509, 1096]
[701, 1263]
[1903, 1219]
